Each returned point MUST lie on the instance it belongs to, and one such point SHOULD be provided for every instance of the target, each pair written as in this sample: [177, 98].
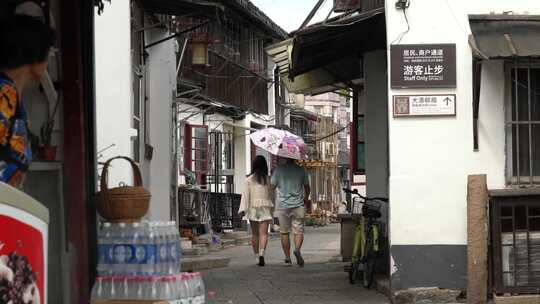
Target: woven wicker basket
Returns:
[124, 203]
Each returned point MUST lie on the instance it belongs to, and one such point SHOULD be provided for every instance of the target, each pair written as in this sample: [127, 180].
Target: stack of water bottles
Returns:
[142, 261]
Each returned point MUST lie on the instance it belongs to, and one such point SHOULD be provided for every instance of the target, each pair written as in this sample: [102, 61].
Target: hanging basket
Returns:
[123, 203]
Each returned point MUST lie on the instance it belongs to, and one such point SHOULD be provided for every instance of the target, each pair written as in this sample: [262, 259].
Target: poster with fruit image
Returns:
[22, 258]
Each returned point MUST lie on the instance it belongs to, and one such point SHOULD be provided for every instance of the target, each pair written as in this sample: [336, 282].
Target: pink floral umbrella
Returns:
[279, 142]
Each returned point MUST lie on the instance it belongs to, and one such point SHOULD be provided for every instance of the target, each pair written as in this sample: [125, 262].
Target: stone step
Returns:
[234, 235]
[195, 251]
[243, 241]
[204, 263]
[227, 243]
[521, 299]
[201, 241]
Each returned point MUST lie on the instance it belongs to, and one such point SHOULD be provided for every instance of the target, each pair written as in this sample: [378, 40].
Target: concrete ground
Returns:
[322, 280]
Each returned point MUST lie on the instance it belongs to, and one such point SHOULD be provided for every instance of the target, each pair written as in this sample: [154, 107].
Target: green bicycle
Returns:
[367, 238]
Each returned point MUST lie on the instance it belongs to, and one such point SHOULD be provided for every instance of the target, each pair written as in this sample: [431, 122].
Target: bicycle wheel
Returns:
[369, 274]
[354, 272]
[370, 261]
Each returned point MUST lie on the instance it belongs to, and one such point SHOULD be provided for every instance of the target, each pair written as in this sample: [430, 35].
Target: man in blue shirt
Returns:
[293, 190]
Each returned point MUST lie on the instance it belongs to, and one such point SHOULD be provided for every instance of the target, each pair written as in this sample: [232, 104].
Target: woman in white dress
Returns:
[257, 205]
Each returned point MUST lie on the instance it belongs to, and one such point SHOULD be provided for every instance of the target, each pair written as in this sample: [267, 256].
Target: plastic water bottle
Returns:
[154, 288]
[145, 288]
[106, 287]
[162, 255]
[191, 288]
[139, 250]
[114, 288]
[165, 290]
[121, 250]
[148, 241]
[97, 291]
[175, 292]
[165, 230]
[172, 244]
[186, 290]
[132, 286]
[198, 285]
[178, 246]
[104, 250]
[122, 290]
[181, 288]
[113, 234]
[130, 267]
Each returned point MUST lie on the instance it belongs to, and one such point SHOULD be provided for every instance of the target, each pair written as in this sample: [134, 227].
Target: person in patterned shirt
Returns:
[25, 43]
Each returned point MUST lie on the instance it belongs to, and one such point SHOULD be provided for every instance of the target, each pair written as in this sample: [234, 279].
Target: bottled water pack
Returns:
[139, 249]
[183, 288]
[142, 261]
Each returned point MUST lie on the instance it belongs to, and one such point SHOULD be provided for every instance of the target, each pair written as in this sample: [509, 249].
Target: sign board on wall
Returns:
[23, 239]
[423, 66]
[424, 105]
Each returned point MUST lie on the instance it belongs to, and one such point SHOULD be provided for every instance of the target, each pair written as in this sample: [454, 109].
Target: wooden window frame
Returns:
[188, 150]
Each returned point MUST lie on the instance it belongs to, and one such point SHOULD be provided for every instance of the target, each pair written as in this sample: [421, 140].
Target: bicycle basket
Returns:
[371, 211]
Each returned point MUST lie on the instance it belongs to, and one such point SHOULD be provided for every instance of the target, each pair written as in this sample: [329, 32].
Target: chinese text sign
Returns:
[423, 66]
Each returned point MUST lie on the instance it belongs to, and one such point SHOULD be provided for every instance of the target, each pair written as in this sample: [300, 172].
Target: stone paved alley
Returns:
[322, 280]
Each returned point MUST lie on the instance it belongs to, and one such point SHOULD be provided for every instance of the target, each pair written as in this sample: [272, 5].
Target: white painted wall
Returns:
[242, 155]
[161, 83]
[430, 158]
[242, 147]
[113, 87]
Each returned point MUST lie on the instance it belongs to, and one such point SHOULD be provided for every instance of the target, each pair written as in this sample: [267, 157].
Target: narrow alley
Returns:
[322, 280]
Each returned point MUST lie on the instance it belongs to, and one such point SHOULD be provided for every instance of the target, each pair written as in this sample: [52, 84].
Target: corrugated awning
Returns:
[505, 36]
[323, 43]
[325, 56]
[209, 7]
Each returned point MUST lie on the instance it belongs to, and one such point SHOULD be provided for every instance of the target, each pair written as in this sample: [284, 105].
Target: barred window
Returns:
[523, 125]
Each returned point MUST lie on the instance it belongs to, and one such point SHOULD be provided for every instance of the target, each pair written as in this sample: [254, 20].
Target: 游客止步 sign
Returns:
[423, 66]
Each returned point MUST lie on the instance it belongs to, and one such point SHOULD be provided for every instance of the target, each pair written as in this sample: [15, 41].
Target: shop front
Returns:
[63, 182]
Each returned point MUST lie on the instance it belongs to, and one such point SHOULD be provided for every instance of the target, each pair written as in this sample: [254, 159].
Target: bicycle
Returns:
[367, 238]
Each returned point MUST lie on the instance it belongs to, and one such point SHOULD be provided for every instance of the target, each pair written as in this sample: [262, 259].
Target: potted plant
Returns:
[46, 150]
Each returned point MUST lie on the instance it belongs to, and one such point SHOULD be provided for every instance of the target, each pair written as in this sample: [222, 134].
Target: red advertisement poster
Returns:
[22, 262]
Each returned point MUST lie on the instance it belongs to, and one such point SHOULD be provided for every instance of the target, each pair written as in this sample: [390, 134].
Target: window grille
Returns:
[523, 124]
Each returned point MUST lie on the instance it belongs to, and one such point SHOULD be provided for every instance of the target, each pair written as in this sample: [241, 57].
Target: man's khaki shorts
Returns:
[293, 217]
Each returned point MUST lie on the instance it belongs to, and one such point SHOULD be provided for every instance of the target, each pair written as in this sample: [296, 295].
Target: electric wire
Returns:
[402, 34]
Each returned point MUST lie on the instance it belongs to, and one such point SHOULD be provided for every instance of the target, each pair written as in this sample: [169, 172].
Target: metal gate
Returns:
[224, 211]
[222, 200]
[220, 178]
